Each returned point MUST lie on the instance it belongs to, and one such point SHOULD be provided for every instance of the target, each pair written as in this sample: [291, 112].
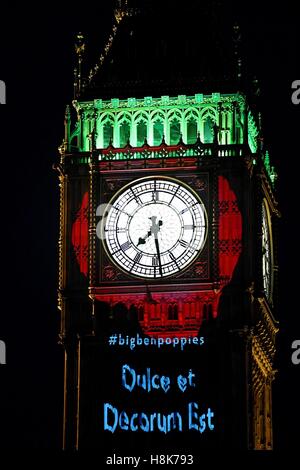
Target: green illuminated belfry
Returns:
[167, 107]
[189, 121]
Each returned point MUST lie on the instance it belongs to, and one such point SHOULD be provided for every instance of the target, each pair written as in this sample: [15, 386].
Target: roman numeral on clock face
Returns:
[137, 257]
[154, 261]
[174, 259]
[125, 246]
[187, 208]
[136, 197]
[184, 210]
[183, 243]
[155, 196]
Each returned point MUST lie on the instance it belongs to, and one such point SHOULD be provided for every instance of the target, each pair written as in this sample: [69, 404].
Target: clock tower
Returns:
[167, 227]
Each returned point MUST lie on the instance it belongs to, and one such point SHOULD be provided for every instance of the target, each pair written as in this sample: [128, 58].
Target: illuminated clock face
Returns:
[267, 253]
[155, 227]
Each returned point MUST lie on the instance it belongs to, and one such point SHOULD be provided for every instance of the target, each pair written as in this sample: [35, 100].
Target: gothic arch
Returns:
[157, 129]
[105, 117]
[123, 116]
[191, 125]
[208, 119]
[174, 130]
[172, 113]
[123, 129]
[107, 131]
[140, 115]
[191, 112]
[209, 112]
[140, 128]
[157, 114]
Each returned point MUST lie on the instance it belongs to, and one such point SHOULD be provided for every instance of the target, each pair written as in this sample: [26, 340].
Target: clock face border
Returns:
[173, 275]
[267, 233]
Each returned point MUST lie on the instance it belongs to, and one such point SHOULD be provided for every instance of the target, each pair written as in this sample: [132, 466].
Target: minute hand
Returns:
[158, 255]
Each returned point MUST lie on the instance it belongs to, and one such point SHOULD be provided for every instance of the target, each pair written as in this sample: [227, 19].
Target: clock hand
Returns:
[154, 229]
[158, 255]
[142, 241]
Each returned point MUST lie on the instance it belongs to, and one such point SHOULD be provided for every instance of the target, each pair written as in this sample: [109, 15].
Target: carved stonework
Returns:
[168, 314]
[110, 273]
[200, 184]
[111, 186]
[201, 269]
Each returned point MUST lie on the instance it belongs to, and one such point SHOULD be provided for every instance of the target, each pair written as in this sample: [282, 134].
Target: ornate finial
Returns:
[259, 121]
[120, 10]
[67, 112]
[273, 175]
[79, 49]
[62, 148]
[67, 127]
[79, 45]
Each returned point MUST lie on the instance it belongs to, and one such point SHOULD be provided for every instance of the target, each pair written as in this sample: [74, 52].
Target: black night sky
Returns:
[36, 62]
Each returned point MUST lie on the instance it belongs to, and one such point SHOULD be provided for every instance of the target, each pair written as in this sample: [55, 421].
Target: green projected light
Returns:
[221, 120]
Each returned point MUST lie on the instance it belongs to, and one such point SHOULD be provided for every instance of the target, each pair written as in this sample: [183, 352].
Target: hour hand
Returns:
[142, 241]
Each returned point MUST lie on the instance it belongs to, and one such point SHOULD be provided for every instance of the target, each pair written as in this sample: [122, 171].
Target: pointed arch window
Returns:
[191, 131]
[173, 312]
[208, 130]
[174, 132]
[190, 310]
[108, 133]
[124, 133]
[158, 132]
[141, 133]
